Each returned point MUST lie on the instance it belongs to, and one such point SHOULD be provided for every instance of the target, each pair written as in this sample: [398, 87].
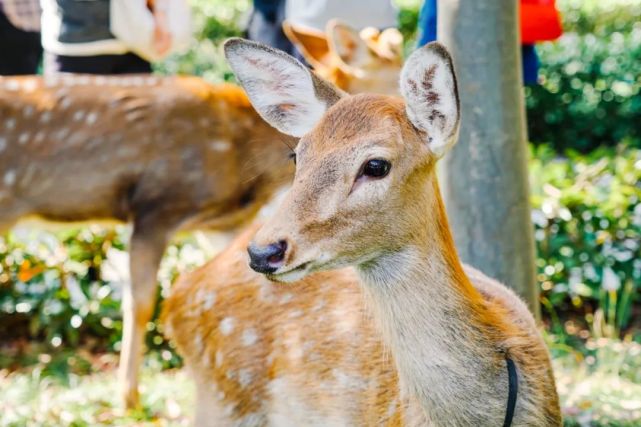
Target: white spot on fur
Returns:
[45, 117]
[27, 111]
[23, 138]
[319, 305]
[227, 325]
[249, 337]
[9, 178]
[198, 342]
[78, 115]
[286, 298]
[219, 358]
[209, 300]
[229, 409]
[295, 313]
[10, 123]
[92, 117]
[220, 145]
[40, 136]
[12, 85]
[65, 103]
[29, 85]
[244, 377]
[51, 81]
[62, 133]
[266, 293]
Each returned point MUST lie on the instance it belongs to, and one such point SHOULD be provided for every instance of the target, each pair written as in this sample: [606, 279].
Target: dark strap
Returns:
[513, 391]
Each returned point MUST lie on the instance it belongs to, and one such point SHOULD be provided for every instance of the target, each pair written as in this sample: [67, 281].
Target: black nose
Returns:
[267, 259]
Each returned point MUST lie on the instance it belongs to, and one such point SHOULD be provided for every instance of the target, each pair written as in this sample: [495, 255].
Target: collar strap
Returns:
[513, 381]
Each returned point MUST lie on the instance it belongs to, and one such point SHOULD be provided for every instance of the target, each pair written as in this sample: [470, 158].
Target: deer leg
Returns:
[138, 302]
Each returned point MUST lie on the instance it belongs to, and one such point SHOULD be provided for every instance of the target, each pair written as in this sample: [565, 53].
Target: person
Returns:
[19, 37]
[315, 14]
[539, 21]
[266, 25]
[77, 37]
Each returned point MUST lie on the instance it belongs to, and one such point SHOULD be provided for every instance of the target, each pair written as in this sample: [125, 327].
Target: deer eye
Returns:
[292, 156]
[376, 168]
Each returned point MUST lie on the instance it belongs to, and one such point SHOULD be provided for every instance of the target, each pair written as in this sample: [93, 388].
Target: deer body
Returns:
[163, 153]
[171, 151]
[365, 194]
[310, 353]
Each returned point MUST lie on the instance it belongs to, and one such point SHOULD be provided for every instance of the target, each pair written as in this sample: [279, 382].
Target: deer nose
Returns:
[267, 259]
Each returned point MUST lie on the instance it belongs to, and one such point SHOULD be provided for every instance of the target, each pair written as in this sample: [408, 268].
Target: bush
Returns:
[590, 78]
[64, 289]
[587, 214]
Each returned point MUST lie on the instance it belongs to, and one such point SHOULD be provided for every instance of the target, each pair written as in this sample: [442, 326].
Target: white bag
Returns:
[132, 23]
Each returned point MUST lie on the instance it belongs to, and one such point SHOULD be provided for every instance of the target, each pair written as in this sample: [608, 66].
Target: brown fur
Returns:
[449, 340]
[348, 343]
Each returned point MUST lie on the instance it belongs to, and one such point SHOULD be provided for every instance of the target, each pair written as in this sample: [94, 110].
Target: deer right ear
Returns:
[284, 92]
[428, 85]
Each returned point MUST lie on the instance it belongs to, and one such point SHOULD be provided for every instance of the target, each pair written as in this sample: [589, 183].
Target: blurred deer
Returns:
[365, 194]
[163, 153]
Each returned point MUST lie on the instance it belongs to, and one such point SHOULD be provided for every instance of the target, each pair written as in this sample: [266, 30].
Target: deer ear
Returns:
[312, 44]
[284, 92]
[428, 85]
[348, 47]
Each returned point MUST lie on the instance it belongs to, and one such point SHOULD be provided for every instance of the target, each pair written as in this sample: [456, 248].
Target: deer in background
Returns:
[365, 194]
[162, 153]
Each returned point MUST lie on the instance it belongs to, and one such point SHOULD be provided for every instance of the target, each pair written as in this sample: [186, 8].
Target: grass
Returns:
[33, 397]
[600, 389]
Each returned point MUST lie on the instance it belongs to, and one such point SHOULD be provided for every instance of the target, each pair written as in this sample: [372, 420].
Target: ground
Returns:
[600, 390]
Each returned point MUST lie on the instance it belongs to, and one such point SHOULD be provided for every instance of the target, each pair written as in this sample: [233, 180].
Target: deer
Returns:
[165, 154]
[358, 310]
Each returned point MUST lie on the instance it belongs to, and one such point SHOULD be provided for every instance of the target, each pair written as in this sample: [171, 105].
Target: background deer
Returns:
[163, 153]
[365, 194]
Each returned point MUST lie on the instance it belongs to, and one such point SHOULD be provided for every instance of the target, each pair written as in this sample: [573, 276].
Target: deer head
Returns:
[360, 159]
[369, 61]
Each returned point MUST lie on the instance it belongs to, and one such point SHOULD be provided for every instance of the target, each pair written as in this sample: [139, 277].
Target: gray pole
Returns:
[484, 178]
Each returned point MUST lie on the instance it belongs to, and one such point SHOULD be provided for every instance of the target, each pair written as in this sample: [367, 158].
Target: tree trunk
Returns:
[484, 178]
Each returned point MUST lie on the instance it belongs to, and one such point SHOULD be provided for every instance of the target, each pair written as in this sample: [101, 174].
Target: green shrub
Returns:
[590, 78]
[587, 214]
[64, 289]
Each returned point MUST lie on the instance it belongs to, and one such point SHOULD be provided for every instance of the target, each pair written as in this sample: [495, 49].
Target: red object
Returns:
[540, 21]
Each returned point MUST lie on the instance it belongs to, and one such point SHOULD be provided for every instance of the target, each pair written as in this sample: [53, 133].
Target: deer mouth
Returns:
[291, 275]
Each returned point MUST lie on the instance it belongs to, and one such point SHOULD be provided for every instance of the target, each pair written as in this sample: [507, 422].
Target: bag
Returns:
[132, 22]
[540, 21]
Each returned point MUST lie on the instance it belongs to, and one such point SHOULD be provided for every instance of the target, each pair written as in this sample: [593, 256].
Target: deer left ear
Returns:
[428, 85]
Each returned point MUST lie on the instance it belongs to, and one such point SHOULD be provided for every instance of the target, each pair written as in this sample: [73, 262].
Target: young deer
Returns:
[164, 153]
[365, 194]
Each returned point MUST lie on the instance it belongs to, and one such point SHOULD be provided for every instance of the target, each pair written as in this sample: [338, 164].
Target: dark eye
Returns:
[376, 168]
[292, 156]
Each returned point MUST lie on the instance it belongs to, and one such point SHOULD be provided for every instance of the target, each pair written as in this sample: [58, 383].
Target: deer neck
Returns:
[443, 338]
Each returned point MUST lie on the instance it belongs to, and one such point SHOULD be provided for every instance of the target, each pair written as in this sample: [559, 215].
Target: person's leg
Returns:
[20, 50]
[130, 63]
[266, 26]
